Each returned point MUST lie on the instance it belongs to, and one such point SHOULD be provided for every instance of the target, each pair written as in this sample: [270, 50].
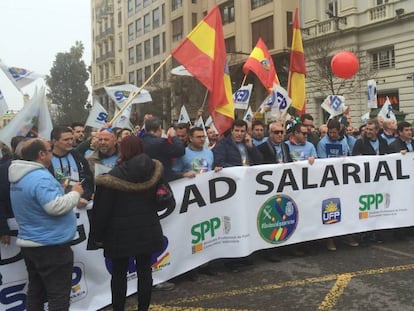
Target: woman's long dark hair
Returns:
[130, 147]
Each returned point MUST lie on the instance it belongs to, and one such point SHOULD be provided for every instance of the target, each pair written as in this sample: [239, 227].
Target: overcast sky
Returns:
[32, 32]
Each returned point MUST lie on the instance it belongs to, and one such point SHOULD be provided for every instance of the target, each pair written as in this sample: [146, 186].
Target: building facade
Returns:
[131, 38]
[379, 32]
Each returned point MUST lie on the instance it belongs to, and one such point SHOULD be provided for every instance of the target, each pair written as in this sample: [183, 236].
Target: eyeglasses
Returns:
[277, 132]
[200, 137]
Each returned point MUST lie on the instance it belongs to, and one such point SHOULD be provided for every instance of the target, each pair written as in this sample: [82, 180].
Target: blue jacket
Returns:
[43, 212]
[226, 154]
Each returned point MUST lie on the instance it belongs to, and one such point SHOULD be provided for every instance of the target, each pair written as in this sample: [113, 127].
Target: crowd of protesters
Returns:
[42, 181]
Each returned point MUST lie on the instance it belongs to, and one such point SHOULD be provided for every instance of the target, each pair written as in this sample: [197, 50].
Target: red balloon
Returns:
[344, 65]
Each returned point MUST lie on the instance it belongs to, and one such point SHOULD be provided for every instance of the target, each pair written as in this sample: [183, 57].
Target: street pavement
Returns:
[378, 276]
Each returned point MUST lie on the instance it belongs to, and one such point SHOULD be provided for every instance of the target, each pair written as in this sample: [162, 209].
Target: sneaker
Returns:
[330, 245]
[350, 240]
[165, 286]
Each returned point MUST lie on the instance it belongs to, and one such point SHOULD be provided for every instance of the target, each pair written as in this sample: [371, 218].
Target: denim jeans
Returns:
[50, 276]
[119, 282]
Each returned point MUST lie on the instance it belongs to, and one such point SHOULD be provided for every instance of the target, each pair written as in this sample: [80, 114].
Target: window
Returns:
[139, 77]
[289, 28]
[147, 72]
[382, 59]
[131, 77]
[258, 3]
[130, 32]
[147, 23]
[120, 42]
[156, 45]
[163, 14]
[146, 3]
[177, 29]
[157, 77]
[230, 44]
[131, 55]
[227, 12]
[119, 19]
[130, 7]
[156, 18]
[147, 49]
[194, 19]
[381, 2]
[163, 43]
[137, 5]
[333, 8]
[263, 28]
[138, 28]
[176, 4]
[138, 52]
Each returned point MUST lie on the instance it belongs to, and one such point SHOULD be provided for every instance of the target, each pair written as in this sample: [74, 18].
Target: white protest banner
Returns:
[239, 210]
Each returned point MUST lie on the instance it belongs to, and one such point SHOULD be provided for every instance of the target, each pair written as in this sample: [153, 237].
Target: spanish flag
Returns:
[297, 68]
[203, 54]
[261, 64]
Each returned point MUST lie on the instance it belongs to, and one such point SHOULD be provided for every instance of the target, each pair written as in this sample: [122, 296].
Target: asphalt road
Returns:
[373, 277]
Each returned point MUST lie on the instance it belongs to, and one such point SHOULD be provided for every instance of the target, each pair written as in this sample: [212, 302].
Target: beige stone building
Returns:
[131, 38]
[379, 32]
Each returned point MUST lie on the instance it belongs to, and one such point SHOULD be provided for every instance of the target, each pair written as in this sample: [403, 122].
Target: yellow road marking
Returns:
[336, 291]
[342, 281]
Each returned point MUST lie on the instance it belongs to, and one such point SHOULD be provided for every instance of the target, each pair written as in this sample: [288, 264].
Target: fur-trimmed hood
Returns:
[135, 175]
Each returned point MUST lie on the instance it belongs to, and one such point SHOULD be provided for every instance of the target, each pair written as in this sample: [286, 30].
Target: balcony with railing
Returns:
[110, 55]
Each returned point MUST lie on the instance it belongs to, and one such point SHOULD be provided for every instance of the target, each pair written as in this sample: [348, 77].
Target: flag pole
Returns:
[244, 80]
[136, 93]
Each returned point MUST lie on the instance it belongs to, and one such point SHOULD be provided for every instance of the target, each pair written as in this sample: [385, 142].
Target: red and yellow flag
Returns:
[261, 63]
[297, 68]
[203, 54]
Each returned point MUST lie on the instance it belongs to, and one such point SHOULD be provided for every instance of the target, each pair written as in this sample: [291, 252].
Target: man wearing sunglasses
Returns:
[275, 150]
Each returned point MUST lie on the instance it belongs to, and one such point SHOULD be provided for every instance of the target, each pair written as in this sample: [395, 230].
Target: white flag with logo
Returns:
[334, 105]
[386, 111]
[209, 123]
[242, 97]
[123, 120]
[20, 77]
[248, 116]
[3, 104]
[183, 117]
[32, 121]
[277, 102]
[120, 93]
[372, 93]
[97, 116]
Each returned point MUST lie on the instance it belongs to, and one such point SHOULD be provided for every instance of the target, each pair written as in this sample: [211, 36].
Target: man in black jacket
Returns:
[160, 148]
[404, 143]
[274, 150]
[371, 143]
[68, 166]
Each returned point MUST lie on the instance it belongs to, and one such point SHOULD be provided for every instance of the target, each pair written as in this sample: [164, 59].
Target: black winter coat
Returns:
[363, 147]
[124, 216]
[269, 153]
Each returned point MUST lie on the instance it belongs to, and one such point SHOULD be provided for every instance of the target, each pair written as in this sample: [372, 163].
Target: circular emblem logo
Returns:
[277, 219]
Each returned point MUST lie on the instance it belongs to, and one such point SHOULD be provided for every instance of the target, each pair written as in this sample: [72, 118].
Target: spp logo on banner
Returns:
[331, 211]
[373, 203]
[13, 296]
[277, 219]
[208, 230]
[79, 289]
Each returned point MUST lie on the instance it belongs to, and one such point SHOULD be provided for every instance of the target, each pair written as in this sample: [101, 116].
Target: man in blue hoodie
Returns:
[47, 225]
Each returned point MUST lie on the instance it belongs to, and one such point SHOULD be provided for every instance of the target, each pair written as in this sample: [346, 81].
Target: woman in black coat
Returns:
[124, 219]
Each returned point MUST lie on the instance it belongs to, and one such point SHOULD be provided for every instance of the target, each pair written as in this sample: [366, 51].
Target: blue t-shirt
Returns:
[301, 152]
[198, 161]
